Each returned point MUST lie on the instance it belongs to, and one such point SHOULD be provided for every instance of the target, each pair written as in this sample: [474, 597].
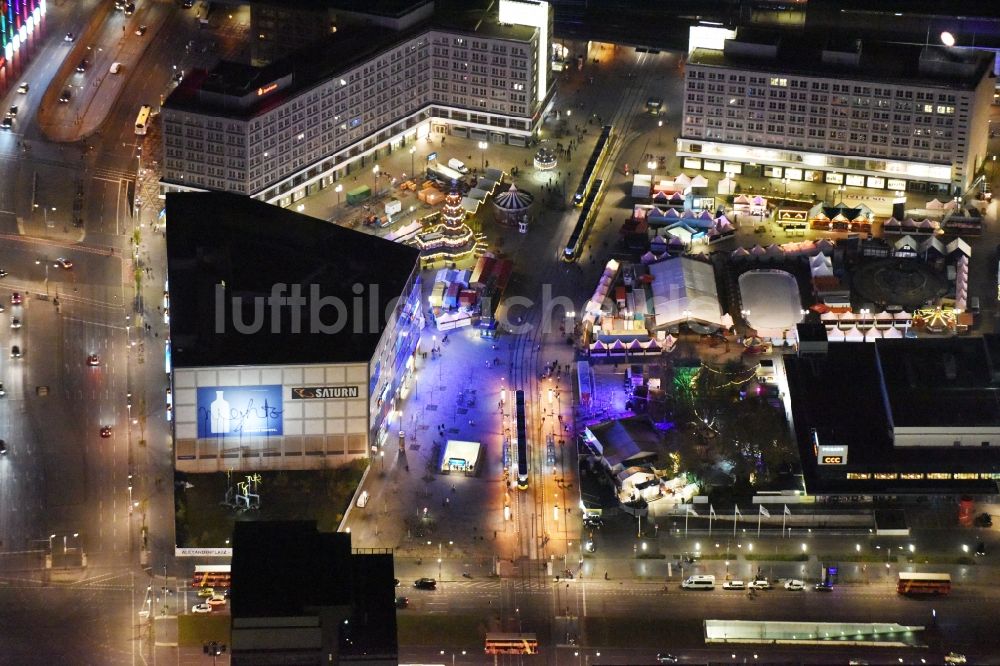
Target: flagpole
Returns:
[711, 514]
[760, 514]
[783, 516]
[686, 514]
[736, 511]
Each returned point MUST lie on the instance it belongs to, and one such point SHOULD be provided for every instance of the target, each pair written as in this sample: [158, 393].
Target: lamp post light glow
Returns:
[413, 149]
[947, 38]
[482, 147]
[338, 189]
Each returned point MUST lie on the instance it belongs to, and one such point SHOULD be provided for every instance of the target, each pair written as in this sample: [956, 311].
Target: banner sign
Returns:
[239, 410]
[325, 392]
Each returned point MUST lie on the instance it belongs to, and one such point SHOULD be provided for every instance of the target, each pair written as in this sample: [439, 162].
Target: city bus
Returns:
[211, 575]
[522, 442]
[497, 643]
[923, 583]
[142, 119]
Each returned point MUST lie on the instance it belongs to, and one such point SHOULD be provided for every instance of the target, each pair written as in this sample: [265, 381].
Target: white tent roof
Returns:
[699, 181]
[854, 335]
[821, 266]
[683, 289]
[934, 204]
[892, 333]
[771, 298]
[835, 334]
[682, 180]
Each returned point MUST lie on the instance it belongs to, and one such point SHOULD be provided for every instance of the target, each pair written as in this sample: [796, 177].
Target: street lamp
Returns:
[338, 189]
[482, 147]
[46, 263]
[413, 149]
[659, 123]
[375, 179]
[439, 568]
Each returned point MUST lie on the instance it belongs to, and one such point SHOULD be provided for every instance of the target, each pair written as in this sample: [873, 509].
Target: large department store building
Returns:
[899, 117]
[286, 130]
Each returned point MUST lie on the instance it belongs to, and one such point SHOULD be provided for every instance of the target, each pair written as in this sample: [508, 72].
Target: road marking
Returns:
[95, 323]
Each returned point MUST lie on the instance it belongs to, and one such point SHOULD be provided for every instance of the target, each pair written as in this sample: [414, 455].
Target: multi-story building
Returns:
[880, 115]
[292, 341]
[280, 132]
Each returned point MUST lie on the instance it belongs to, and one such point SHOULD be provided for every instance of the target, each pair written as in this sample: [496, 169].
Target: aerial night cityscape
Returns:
[510, 332]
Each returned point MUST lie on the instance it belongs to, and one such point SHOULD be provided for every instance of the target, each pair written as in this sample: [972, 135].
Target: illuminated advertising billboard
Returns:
[235, 411]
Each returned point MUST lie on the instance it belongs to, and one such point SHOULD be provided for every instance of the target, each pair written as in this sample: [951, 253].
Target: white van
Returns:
[363, 499]
[699, 582]
[458, 165]
[116, 67]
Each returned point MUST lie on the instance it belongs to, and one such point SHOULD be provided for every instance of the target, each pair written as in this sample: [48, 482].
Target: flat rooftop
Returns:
[838, 394]
[880, 62]
[939, 383]
[230, 244]
[353, 43]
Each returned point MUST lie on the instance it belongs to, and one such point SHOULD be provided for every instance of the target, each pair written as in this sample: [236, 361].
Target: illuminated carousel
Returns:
[936, 320]
[545, 159]
[449, 238]
[511, 208]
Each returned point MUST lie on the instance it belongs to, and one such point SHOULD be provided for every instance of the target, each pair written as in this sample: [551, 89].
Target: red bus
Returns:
[923, 583]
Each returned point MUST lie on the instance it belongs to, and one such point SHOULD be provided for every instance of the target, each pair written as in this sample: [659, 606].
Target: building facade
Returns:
[887, 116]
[290, 346]
[282, 132]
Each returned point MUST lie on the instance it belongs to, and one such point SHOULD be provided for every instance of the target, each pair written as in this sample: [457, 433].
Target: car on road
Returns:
[23, 88]
[3, 391]
[129, 9]
[590, 546]
[666, 658]
[3, 448]
[593, 522]
[15, 298]
[188, 4]
[105, 432]
[69, 37]
[794, 584]
[93, 360]
[7, 122]
[15, 322]
[402, 602]
[216, 600]
[15, 352]
[760, 584]
[954, 658]
[201, 608]
[3, 273]
[115, 67]
[63, 262]
[425, 584]
[206, 592]
[65, 96]
[734, 585]
[982, 520]
[141, 30]
[178, 76]
[823, 587]
[981, 548]
[82, 67]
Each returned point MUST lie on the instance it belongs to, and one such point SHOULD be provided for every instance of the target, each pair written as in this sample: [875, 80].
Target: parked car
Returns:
[206, 592]
[3, 448]
[666, 658]
[402, 602]
[794, 584]
[823, 587]
[734, 585]
[7, 122]
[425, 584]
[216, 600]
[23, 88]
[760, 584]
[201, 608]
